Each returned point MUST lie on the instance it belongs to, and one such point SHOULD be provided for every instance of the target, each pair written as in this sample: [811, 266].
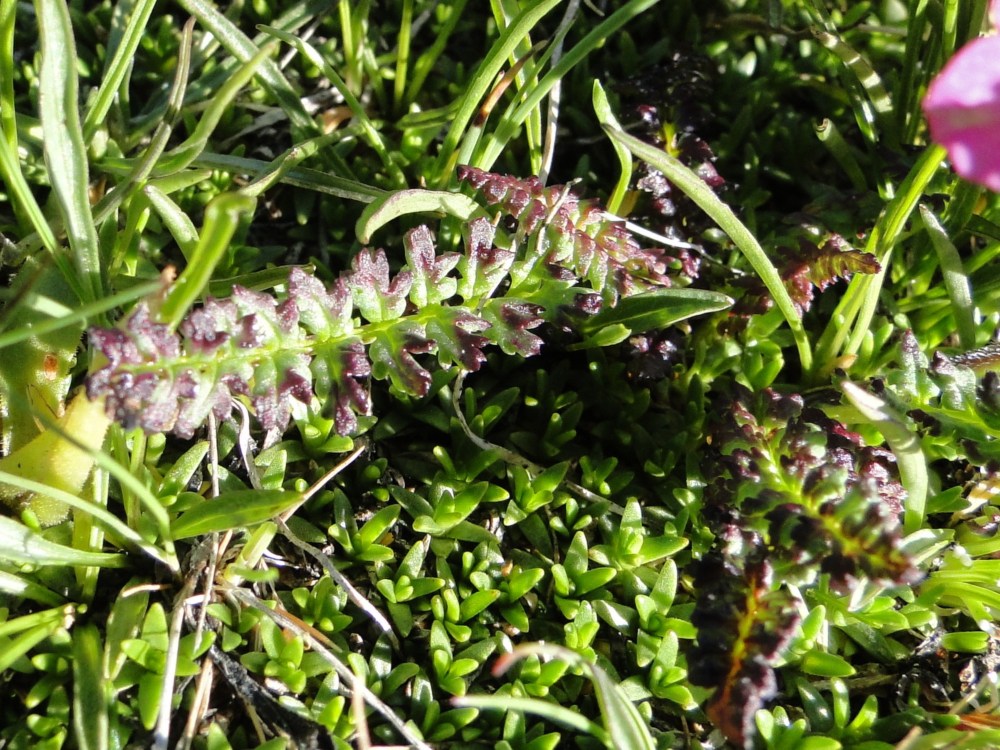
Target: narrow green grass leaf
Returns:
[874, 107]
[63, 145]
[240, 46]
[8, 120]
[429, 57]
[14, 649]
[91, 694]
[553, 712]
[287, 161]
[402, 57]
[222, 217]
[482, 81]
[511, 121]
[696, 189]
[602, 108]
[66, 317]
[182, 156]
[15, 585]
[852, 318]
[373, 136]
[955, 279]
[905, 445]
[175, 219]
[381, 211]
[119, 64]
[625, 726]
[105, 519]
[311, 179]
[233, 510]
[22, 546]
[144, 166]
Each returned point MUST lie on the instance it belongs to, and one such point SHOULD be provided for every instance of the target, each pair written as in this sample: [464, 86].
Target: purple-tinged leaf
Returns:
[276, 382]
[208, 327]
[510, 322]
[325, 313]
[392, 356]
[377, 297]
[484, 265]
[454, 330]
[431, 283]
[341, 376]
[578, 237]
[744, 623]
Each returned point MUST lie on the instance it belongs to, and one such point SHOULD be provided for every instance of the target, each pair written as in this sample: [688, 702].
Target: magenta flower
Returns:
[963, 108]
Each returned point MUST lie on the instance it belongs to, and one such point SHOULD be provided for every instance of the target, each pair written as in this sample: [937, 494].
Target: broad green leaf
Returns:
[21, 545]
[823, 664]
[233, 510]
[654, 310]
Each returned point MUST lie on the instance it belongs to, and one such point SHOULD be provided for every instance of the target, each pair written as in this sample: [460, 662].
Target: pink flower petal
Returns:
[963, 109]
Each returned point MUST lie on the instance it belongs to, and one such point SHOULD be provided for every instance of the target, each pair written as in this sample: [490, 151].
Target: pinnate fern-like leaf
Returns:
[321, 344]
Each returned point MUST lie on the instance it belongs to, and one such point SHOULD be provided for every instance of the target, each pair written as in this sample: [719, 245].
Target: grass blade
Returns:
[240, 46]
[852, 318]
[955, 279]
[90, 691]
[64, 147]
[380, 212]
[22, 546]
[510, 122]
[222, 217]
[904, 443]
[374, 137]
[548, 710]
[602, 108]
[482, 81]
[118, 66]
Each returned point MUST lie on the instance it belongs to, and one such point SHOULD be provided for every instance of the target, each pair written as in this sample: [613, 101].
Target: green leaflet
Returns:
[233, 510]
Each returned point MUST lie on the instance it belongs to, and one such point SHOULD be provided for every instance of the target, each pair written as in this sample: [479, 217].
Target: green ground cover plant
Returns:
[517, 375]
